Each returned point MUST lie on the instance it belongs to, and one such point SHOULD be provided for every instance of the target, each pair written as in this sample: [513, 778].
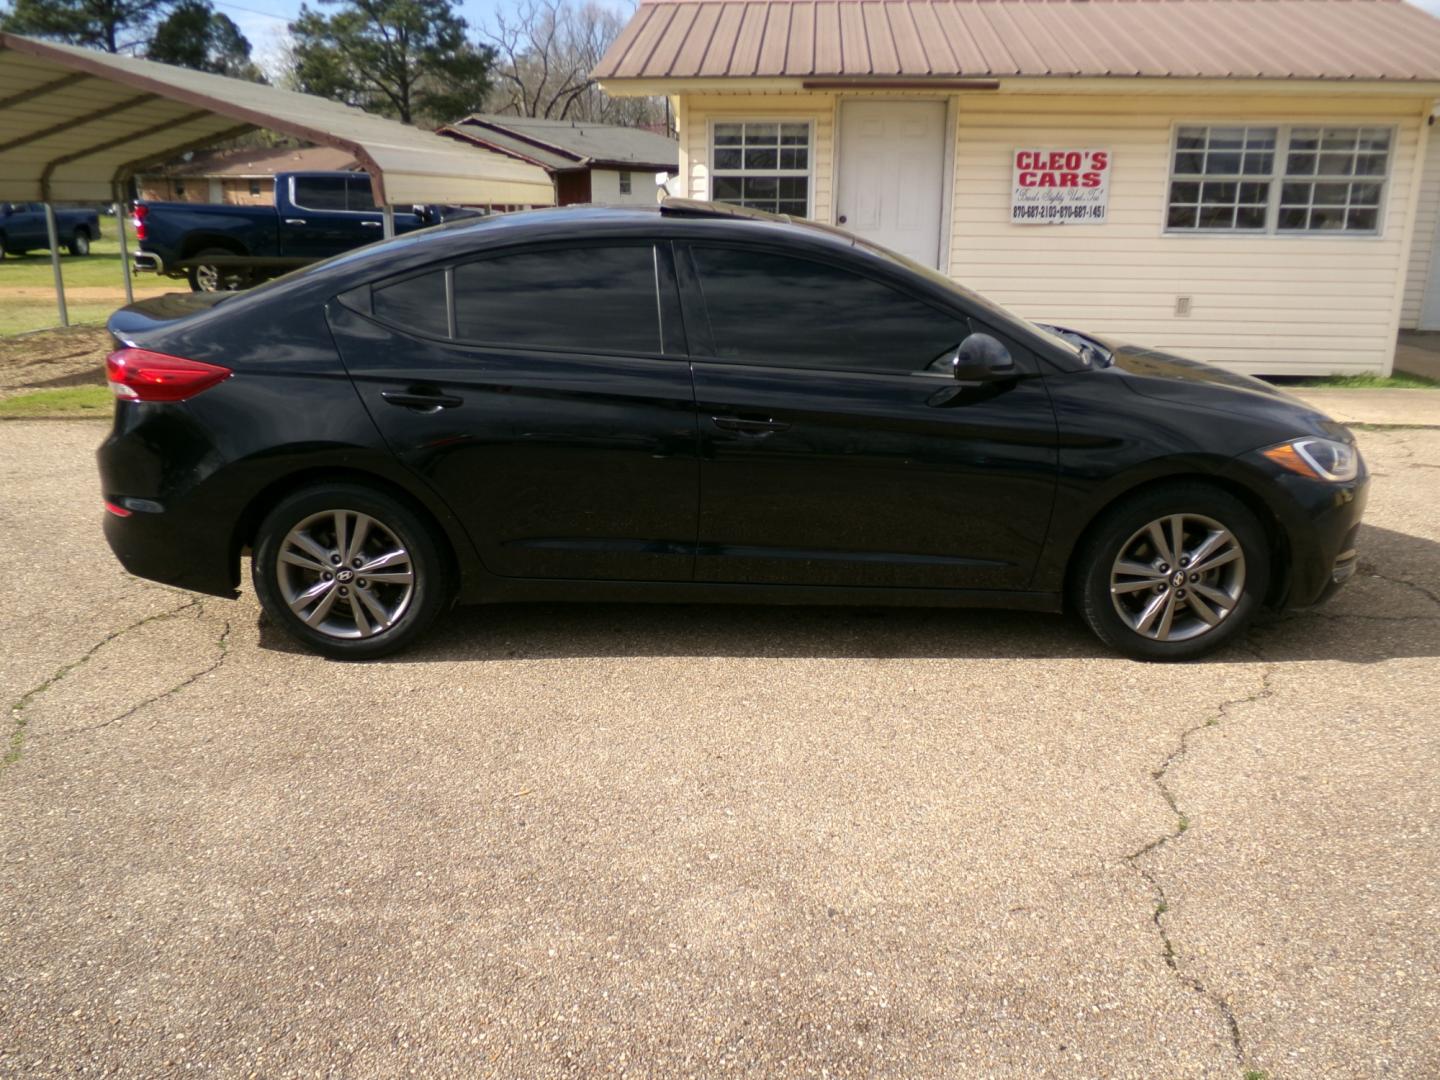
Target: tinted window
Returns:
[416, 304]
[361, 195]
[586, 299]
[320, 192]
[776, 309]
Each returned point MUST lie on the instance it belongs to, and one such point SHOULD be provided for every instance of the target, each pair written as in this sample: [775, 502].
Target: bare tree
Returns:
[546, 50]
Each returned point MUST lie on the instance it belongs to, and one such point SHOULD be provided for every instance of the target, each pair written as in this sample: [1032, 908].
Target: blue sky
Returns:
[263, 21]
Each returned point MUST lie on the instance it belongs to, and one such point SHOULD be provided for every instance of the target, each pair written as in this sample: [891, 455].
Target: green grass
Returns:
[1398, 381]
[71, 401]
[98, 270]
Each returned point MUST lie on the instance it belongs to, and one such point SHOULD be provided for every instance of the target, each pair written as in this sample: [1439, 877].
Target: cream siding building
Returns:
[1262, 272]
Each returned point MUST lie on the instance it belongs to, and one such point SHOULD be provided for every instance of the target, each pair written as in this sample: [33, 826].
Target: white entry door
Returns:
[1430, 305]
[891, 174]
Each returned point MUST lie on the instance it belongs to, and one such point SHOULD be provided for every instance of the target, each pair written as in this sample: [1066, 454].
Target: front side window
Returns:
[589, 299]
[1273, 179]
[359, 195]
[764, 165]
[772, 309]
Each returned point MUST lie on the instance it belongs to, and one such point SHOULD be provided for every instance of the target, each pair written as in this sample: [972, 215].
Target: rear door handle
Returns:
[748, 427]
[371, 224]
[421, 401]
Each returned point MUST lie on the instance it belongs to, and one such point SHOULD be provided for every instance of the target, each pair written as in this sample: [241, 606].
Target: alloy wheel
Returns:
[345, 574]
[1178, 577]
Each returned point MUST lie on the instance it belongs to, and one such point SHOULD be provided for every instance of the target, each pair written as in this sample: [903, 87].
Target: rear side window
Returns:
[590, 299]
[320, 192]
[779, 310]
[416, 304]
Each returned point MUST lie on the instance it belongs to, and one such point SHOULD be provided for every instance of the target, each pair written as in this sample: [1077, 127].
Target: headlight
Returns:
[1319, 459]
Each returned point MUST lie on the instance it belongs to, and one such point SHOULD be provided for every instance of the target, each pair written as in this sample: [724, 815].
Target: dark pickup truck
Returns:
[221, 247]
[22, 227]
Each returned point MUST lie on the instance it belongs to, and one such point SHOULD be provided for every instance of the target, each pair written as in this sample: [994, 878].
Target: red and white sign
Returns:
[1060, 187]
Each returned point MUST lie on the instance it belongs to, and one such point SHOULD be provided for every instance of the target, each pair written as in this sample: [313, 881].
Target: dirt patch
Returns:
[82, 293]
[74, 356]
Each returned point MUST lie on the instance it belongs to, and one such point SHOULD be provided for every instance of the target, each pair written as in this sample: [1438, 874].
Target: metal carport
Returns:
[75, 124]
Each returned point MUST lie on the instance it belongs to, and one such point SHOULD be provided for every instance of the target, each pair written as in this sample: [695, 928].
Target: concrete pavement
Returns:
[1375, 408]
[574, 841]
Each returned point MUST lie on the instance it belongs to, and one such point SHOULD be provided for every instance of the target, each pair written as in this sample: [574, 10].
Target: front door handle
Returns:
[295, 221]
[372, 224]
[421, 401]
[747, 426]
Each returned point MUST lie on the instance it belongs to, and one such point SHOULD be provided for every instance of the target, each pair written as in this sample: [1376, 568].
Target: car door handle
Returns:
[371, 224]
[748, 427]
[296, 221]
[421, 401]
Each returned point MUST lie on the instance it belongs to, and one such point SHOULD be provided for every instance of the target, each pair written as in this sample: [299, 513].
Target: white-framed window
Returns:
[762, 164]
[624, 183]
[1277, 178]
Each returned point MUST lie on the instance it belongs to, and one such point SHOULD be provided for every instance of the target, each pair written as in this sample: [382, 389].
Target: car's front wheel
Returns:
[349, 571]
[1173, 573]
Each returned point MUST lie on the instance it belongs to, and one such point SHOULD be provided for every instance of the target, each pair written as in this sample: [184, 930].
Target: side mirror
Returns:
[982, 357]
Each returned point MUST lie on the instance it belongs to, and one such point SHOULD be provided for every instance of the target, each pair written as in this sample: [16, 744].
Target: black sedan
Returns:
[695, 403]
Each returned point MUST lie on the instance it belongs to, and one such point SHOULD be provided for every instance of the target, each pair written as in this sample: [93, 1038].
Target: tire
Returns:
[79, 243]
[302, 529]
[1149, 614]
[204, 278]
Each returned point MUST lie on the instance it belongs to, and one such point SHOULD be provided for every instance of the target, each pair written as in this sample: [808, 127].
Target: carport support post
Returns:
[387, 217]
[124, 244]
[54, 236]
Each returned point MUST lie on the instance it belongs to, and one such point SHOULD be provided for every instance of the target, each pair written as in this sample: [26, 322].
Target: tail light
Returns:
[141, 211]
[142, 375]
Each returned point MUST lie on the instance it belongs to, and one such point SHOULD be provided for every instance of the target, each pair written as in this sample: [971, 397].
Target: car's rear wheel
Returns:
[349, 571]
[207, 277]
[1173, 573]
[79, 243]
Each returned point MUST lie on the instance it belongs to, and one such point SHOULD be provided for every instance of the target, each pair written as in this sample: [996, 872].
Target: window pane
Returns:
[761, 158]
[1254, 193]
[1300, 165]
[1362, 219]
[725, 188]
[1371, 164]
[1375, 139]
[1218, 193]
[1217, 217]
[1293, 217]
[1295, 193]
[1227, 138]
[416, 304]
[1339, 139]
[1223, 164]
[1182, 217]
[1189, 163]
[320, 192]
[1258, 164]
[1250, 217]
[1190, 138]
[1305, 139]
[727, 158]
[1331, 194]
[1365, 194]
[765, 133]
[1327, 217]
[1181, 192]
[757, 299]
[1336, 164]
[729, 134]
[585, 299]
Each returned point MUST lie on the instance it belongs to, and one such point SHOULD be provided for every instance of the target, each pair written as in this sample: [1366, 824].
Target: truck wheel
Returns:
[79, 243]
[207, 278]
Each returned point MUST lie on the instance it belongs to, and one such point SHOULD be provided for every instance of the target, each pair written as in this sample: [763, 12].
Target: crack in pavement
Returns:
[222, 643]
[1182, 824]
[16, 742]
[1367, 570]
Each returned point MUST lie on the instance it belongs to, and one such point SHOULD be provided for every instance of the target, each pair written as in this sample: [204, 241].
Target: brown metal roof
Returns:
[74, 121]
[1264, 39]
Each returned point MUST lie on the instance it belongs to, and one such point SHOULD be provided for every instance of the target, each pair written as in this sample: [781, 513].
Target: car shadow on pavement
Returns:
[1387, 611]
